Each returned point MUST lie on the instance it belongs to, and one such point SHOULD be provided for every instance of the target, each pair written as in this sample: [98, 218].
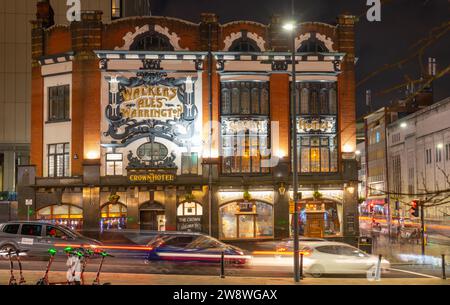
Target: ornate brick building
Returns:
[162, 124]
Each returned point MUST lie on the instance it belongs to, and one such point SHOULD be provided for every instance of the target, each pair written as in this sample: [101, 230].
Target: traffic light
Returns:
[414, 208]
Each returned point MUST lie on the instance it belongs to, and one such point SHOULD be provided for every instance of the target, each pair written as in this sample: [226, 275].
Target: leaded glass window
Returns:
[317, 127]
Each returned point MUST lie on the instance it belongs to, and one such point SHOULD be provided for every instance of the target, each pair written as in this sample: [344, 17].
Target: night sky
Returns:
[403, 23]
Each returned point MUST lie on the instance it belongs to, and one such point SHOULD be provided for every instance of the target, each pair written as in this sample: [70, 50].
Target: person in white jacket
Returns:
[73, 263]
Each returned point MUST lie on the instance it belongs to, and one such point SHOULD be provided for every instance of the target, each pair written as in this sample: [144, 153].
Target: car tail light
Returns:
[281, 249]
[306, 252]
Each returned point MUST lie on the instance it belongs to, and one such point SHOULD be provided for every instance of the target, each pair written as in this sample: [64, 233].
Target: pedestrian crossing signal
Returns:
[414, 208]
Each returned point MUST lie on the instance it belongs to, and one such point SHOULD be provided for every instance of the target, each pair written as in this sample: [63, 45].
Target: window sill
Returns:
[58, 121]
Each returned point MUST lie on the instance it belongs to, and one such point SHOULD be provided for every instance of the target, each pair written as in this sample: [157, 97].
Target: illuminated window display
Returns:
[189, 217]
[246, 220]
[113, 216]
[67, 215]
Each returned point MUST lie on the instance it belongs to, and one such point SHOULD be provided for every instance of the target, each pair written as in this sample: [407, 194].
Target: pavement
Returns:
[158, 279]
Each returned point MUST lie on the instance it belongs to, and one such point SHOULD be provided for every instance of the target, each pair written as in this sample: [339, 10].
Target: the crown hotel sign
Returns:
[151, 176]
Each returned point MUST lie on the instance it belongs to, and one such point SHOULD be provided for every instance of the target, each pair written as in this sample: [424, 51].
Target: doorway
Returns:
[152, 216]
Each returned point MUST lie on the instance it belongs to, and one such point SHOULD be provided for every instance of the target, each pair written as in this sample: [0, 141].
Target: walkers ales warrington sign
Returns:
[151, 102]
[150, 105]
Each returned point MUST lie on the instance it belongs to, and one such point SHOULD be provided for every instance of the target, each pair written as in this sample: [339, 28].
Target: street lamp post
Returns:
[292, 28]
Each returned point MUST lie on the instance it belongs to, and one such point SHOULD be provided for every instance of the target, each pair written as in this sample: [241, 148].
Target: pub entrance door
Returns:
[152, 216]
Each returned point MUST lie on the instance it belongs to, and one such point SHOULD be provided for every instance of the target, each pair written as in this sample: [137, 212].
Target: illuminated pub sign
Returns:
[151, 176]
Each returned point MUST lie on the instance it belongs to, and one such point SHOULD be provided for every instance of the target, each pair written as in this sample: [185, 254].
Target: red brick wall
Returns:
[37, 119]
[113, 33]
[58, 40]
[346, 84]
[279, 108]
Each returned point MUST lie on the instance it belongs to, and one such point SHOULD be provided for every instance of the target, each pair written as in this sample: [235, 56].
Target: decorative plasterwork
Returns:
[173, 38]
[327, 41]
[301, 39]
[130, 37]
[260, 42]
[229, 40]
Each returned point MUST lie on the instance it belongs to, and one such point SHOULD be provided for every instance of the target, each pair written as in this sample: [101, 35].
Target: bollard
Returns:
[378, 271]
[444, 277]
[222, 266]
[301, 265]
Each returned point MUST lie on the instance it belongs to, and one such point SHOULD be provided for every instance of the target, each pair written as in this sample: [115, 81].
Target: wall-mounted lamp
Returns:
[403, 125]
[282, 189]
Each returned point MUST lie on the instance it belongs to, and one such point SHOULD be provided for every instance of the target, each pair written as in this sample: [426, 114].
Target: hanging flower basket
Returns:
[317, 195]
[114, 198]
[247, 196]
[189, 197]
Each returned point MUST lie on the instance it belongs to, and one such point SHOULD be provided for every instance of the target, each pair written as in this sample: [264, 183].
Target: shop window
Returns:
[152, 42]
[152, 151]
[238, 222]
[67, 215]
[59, 103]
[113, 216]
[58, 160]
[114, 164]
[189, 163]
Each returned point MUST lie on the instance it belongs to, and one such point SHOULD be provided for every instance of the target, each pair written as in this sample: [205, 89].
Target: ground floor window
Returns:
[67, 215]
[246, 220]
[113, 216]
[189, 217]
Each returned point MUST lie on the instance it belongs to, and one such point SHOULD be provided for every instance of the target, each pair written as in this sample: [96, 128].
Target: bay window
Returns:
[317, 127]
[244, 126]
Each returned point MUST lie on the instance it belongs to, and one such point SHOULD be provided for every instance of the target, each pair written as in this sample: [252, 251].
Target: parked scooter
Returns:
[103, 255]
[16, 253]
[44, 280]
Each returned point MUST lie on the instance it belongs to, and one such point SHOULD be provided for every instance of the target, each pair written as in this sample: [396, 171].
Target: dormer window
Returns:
[313, 45]
[152, 42]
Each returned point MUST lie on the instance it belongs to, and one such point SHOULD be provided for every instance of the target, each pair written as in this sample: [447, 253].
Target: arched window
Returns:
[68, 215]
[113, 216]
[313, 45]
[246, 220]
[151, 42]
[189, 209]
[152, 151]
[244, 45]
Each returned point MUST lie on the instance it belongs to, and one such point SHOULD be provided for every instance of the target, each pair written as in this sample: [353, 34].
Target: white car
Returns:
[326, 257]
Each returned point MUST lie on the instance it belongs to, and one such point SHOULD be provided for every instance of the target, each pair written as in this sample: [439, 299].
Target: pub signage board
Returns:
[151, 176]
[189, 223]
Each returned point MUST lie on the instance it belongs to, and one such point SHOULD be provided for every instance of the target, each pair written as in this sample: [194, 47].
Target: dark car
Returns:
[37, 237]
[194, 248]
